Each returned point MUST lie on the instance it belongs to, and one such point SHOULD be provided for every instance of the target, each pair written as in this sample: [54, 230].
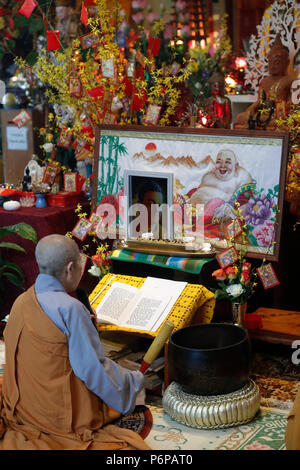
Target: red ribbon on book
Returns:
[27, 8]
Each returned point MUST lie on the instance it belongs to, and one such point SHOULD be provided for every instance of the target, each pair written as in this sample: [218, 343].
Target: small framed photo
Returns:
[234, 228]
[95, 219]
[227, 257]
[109, 118]
[83, 261]
[70, 182]
[64, 139]
[130, 69]
[50, 173]
[22, 118]
[175, 68]
[108, 68]
[149, 199]
[280, 109]
[267, 276]
[107, 100]
[83, 154]
[89, 40]
[82, 228]
[75, 87]
[29, 74]
[152, 114]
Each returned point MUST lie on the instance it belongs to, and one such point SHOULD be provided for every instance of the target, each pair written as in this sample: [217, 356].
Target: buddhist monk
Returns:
[60, 392]
[274, 91]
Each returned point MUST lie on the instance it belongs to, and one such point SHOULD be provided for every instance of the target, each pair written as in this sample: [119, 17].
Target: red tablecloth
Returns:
[45, 221]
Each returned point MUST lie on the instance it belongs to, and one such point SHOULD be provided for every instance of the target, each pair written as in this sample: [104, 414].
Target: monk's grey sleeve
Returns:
[115, 385]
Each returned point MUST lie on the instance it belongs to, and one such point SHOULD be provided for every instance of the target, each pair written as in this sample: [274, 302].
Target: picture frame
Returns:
[267, 276]
[75, 89]
[153, 191]
[50, 173]
[64, 138]
[108, 68]
[152, 114]
[22, 118]
[256, 172]
[82, 229]
[227, 257]
[83, 261]
[234, 228]
[70, 182]
[89, 40]
[94, 219]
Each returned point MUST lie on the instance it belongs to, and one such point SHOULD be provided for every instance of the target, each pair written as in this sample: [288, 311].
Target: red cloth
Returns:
[45, 221]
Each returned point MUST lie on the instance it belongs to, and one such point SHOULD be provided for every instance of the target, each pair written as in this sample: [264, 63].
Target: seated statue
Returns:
[217, 105]
[274, 92]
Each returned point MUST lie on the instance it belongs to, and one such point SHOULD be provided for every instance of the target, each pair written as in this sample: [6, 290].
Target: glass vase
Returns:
[238, 310]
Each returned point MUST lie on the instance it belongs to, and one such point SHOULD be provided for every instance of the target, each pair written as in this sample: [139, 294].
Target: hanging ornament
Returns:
[53, 40]
[84, 15]
[27, 8]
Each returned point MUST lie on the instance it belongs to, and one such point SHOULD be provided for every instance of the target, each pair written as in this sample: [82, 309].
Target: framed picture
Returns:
[108, 68]
[82, 228]
[83, 261]
[213, 170]
[75, 87]
[148, 199]
[234, 228]
[70, 182]
[50, 173]
[64, 138]
[152, 114]
[89, 40]
[22, 118]
[227, 257]
[267, 276]
[109, 118]
[95, 219]
[29, 74]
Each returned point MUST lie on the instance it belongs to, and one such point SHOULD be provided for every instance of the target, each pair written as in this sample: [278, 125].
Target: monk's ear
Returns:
[69, 268]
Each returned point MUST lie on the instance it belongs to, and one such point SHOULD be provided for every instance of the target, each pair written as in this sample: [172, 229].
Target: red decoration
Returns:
[128, 86]
[27, 8]
[84, 15]
[53, 38]
[138, 102]
[96, 93]
[153, 46]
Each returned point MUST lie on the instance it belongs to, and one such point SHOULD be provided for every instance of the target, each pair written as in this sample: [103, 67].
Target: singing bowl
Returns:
[210, 359]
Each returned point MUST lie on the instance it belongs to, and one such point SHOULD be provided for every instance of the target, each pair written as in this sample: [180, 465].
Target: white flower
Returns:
[48, 147]
[95, 271]
[235, 290]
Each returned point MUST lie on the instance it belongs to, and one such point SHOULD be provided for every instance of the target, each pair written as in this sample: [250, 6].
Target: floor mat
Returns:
[265, 432]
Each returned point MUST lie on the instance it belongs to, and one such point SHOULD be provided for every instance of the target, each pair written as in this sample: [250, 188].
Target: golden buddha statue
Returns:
[274, 95]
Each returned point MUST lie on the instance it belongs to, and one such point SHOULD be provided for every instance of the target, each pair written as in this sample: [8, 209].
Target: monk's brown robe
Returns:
[44, 405]
[292, 435]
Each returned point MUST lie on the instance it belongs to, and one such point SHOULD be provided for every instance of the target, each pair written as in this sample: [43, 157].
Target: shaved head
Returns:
[54, 252]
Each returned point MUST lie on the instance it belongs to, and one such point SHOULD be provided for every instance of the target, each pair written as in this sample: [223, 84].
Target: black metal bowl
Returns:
[210, 359]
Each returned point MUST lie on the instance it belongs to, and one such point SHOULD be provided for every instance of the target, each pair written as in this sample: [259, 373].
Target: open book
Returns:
[141, 309]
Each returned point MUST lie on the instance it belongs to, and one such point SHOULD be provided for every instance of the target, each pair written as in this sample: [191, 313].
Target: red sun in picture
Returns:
[150, 148]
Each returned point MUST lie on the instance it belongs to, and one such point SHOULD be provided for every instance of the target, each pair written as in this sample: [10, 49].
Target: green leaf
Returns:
[22, 229]
[14, 267]
[14, 279]
[12, 246]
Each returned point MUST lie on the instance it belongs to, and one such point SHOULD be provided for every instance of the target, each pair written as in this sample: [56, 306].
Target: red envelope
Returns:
[84, 15]
[96, 92]
[153, 46]
[53, 40]
[27, 8]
